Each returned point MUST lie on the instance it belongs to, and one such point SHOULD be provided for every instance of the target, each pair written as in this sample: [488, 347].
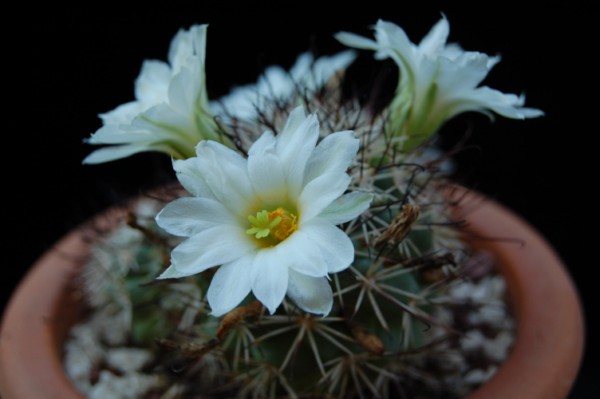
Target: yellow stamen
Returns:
[278, 224]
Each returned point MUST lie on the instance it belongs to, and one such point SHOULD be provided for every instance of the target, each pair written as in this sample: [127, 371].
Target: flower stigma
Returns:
[276, 225]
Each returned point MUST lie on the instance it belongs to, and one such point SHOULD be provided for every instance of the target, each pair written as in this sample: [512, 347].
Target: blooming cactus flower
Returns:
[171, 113]
[437, 81]
[276, 84]
[269, 220]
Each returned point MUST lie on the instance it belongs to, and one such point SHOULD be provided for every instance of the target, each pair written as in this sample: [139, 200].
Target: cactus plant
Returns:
[372, 323]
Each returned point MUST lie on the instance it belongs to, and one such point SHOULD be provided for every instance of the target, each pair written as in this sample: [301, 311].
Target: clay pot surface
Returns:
[548, 349]
[543, 363]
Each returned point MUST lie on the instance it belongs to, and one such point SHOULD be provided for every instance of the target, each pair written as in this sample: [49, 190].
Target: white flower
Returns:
[306, 76]
[268, 220]
[437, 81]
[171, 113]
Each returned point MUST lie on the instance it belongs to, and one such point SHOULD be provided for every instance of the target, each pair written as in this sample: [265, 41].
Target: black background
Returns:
[64, 66]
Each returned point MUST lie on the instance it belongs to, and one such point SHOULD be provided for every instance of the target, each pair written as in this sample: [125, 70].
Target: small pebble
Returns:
[128, 360]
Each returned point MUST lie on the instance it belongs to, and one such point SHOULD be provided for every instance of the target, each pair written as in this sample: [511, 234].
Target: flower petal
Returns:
[182, 93]
[164, 125]
[226, 174]
[265, 169]
[242, 102]
[463, 73]
[347, 207]
[247, 101]
[433, 43]
[311, 294]
[185, 217]
[191, 177]
[119, 134]
[507, 105]
[300, 252]
[295, 145]
[274, 84]
[269, 279]
[353, 40]
[152, 84]
[172, 272]
[112, 153]
[393, 42]
[333, 154]
[230, 285]
[326, 67]
[123, 114]
[335, 246]
[186, 44]
[312, 74]
[211, 247]
[320, 192]
[164, 120]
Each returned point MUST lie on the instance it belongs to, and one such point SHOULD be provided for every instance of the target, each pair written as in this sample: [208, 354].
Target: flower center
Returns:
[276, 225]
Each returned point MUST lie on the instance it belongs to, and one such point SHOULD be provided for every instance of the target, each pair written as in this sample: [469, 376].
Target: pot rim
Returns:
[542, 364]
[545, 358]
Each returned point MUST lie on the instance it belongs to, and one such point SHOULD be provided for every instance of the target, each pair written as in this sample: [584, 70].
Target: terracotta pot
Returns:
[542, 365]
